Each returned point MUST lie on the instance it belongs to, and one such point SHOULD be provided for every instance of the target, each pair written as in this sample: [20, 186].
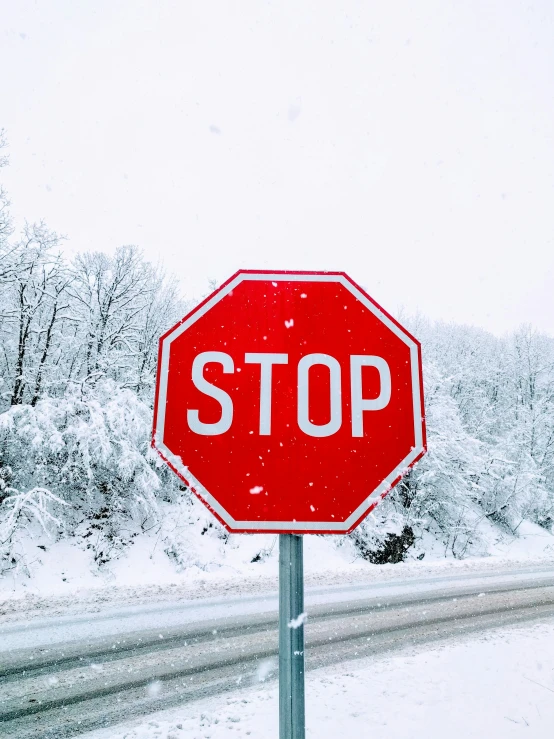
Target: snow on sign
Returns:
[289, 402]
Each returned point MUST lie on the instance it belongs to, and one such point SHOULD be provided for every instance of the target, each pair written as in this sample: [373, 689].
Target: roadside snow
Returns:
[64, 581]
[499, 685]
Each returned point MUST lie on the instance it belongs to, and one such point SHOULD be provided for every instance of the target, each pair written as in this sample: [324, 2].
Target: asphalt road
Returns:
[58, 690]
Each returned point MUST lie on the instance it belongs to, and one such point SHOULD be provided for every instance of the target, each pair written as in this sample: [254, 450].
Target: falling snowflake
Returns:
[266, 668]
[154, 688]
[295, 623]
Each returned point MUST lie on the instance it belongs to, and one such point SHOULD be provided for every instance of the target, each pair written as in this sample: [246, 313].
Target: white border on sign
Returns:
[288, 526]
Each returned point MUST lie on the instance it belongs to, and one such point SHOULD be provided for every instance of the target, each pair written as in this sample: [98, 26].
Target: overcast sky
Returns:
[408, 144]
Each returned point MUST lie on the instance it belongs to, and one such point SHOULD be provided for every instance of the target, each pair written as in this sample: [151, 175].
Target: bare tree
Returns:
[35, 288]
[160, 312]
[110, 294]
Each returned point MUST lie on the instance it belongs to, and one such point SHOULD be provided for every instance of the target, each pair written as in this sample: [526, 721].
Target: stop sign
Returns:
[289, 402]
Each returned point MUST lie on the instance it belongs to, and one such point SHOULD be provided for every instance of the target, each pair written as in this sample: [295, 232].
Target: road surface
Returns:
[62, 677]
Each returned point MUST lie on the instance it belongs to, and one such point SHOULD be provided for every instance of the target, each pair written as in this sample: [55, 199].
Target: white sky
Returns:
[409, 144]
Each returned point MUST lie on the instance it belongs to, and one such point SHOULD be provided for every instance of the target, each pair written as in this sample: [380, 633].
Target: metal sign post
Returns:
[292, 721]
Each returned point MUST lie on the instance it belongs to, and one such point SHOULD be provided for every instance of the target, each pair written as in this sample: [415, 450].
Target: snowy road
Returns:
[61, 677]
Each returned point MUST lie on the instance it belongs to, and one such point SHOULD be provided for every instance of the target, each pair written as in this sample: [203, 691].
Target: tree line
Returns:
[78, 350]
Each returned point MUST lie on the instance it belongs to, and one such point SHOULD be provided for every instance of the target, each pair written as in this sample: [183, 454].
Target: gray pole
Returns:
[291, 640]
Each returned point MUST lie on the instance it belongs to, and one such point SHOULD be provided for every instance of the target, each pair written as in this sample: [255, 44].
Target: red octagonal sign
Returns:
[289, 402]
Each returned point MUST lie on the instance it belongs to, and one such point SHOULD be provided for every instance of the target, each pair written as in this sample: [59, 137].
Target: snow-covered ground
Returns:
[64, 579]
[499, 685]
